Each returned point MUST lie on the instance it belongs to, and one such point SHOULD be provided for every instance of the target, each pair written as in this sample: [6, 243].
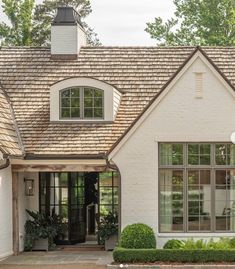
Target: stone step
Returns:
[53, 266]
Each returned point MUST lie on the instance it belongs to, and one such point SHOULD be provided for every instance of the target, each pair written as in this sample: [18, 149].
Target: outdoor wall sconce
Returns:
[29, 187]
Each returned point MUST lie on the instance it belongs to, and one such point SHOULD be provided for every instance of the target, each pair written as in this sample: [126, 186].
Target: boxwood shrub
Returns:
[122, 255]
[138, 236]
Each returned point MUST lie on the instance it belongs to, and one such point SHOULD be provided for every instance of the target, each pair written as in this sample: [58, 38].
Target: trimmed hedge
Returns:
[138, 236]
[122, 255]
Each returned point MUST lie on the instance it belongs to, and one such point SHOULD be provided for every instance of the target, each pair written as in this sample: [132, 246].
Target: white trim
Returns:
[109, 93]
[58, 162]
[197, 55]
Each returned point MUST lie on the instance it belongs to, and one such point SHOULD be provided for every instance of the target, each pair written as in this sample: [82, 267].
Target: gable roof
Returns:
[9, 138]
[198, 51]
[139, 72]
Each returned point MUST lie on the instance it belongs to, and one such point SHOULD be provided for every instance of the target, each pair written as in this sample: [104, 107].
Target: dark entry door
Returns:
[65, 194]
[77, 222]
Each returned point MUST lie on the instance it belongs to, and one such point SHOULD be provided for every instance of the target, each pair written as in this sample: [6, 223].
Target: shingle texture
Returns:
[9, 141]
[138, 72]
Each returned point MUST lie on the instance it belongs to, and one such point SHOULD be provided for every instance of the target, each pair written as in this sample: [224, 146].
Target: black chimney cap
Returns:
[67, 16]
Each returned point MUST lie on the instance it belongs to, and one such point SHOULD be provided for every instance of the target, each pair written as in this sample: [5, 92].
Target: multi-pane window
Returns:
[108, 193]
[81, 103]
[196, 187]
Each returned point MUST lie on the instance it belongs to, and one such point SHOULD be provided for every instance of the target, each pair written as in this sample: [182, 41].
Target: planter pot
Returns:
[111, 243]
[41, 244]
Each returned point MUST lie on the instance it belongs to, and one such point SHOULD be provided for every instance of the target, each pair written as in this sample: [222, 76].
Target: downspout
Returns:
[5, 165]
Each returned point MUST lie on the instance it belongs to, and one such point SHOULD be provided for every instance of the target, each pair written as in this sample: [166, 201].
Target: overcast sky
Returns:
[122, 22]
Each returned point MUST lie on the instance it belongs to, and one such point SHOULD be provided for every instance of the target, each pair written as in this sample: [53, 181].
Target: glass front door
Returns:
[65, 194]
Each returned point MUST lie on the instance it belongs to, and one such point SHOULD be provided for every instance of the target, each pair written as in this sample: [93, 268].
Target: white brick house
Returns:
[146, 128]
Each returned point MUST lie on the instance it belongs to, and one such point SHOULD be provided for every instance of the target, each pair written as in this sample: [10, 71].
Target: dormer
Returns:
[83, 100]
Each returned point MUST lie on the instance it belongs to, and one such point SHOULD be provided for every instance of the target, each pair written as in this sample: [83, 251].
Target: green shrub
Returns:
[174, 244]
[122, 255]
[232, 242]
[138, 236]
[190, 244]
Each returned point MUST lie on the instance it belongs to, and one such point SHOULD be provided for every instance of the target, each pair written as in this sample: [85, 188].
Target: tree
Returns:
[30, 23]
[45, 12]
[197, 22]
[20, 15]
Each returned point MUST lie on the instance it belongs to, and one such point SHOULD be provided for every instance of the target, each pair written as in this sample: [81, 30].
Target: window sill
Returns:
[83, 121]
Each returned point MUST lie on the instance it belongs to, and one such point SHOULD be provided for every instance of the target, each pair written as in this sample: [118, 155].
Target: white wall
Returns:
[5, 212]
[27, 202]
[179, 116]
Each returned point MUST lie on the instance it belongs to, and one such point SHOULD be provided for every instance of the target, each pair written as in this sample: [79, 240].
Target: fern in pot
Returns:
[108, 231]
[41, 230]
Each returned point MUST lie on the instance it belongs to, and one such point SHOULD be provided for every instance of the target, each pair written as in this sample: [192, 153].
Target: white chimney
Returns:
[67, 34]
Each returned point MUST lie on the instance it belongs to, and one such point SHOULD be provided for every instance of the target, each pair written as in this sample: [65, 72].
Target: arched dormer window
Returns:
[83, 100]
[81, 103]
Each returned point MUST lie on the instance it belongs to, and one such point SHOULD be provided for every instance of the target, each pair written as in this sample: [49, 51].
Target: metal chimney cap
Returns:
[67, 16]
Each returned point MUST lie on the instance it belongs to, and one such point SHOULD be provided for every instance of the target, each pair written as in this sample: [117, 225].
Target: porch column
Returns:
[15, 212]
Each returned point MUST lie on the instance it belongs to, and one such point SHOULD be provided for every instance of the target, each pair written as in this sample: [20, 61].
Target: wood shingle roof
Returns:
[139, 72]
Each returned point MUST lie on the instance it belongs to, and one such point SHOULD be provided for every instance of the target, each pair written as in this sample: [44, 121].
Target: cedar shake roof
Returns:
[9, 140]
[138, 72]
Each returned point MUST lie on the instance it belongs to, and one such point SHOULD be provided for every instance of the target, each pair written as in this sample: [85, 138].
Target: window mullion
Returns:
[185, 200]
[82, 102]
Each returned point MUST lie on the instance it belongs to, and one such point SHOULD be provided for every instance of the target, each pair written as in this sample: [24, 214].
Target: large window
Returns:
[81, 103]
[197, 187]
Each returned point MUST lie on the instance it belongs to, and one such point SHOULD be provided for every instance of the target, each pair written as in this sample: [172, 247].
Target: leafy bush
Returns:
[190, 244]
[122, 255]
[174, 244]
[42, 226]
[138, 236]
[108, 226]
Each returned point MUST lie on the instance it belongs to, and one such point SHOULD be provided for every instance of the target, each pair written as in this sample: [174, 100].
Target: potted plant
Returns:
[108, 231]
[41, 230]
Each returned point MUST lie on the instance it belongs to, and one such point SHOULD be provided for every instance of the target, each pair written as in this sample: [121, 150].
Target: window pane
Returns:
[65, 93]
[171, 200]
[193, 177]
[98, 93]
[75, 102]
[199, 200]
[65, 113]
[193, 159]
[88, 92]
[106, 195]
[205, 149]
[106, 179]
[98, 102]
[75, 92]
[171, 154]
[65, 102]
[221, 152]
[75, 112]
[171, 223]
[88, 112]
[88, 102]
[98, 113]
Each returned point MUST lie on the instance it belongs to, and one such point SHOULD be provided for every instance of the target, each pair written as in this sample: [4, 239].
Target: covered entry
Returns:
[81, 199]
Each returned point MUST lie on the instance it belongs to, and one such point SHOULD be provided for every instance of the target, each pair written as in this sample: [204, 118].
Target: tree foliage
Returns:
[197, 22]
[30, 24]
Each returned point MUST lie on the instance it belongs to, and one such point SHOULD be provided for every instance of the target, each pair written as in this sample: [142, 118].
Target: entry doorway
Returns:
[81, 199]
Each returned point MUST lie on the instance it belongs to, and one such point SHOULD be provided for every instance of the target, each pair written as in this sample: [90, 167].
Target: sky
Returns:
[122, 22]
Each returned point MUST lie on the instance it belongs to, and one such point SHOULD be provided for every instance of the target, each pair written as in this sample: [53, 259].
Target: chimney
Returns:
[67, 34]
